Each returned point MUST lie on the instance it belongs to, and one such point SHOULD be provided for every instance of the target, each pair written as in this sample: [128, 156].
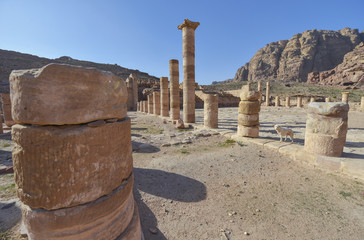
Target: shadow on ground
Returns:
[165, 185]
[10, 215]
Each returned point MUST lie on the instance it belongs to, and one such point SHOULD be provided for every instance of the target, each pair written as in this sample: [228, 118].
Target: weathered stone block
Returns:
[60, 94]
[326, 145]
[6, 104]
[328, 108]
[245, 131]
[64, 166]
[249, 95]
[248, 120]
[105, 218]
[335, 126]
[249, 107]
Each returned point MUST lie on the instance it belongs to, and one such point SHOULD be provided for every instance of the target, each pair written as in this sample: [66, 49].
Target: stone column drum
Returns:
[299, 101]
[345, 97]
[277, 101]
[211, 110]
[74, 183]
[157, 103]
[164, 97]
[288, 101]
[249, 108]
[188, 36]
[174, 89]
[326, 128]
[267, 93]
[150, 103]
[6, 104]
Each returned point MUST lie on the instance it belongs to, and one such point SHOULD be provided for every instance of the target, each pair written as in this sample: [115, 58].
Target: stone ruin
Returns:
[132, 88]
[72, 157]
[326, 128]
[249, 108]
[211, 110]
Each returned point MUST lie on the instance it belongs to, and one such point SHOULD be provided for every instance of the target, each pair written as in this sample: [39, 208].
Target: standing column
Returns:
[362, 103]
[277, 101]
[188, 35]
[288, 101]
[328, 99]
[157, 103]
[150, 104]
[145, 103]
[345, 97]
[211, 109]
[164, 97]
[174, 89]
[260, 90]
[299, 101]
[267, 93]
[326, 128]
[312, 99]
[248, 117]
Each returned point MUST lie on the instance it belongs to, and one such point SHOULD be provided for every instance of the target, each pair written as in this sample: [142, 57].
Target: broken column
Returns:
[164, 97]
[157, 103]
[174, 89]
[299, 101]
[288, 101]
[345, 97]
[326, 128]
[188, 35]
[249, 108]
[267, 93]
[74, 183]
[150, 103]
[277, 101]
[6, 104]
[132, 86]
[211, 110]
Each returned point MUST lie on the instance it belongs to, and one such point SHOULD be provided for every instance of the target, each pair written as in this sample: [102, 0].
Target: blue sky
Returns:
[143, 34]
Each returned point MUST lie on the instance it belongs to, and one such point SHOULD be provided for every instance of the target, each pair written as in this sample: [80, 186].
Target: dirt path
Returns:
[216, 189]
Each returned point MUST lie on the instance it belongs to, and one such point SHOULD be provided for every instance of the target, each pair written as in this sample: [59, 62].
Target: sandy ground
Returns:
[196, 184]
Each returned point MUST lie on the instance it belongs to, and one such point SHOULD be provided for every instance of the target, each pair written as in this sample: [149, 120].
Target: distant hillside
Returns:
[10, 60]
[292, 60]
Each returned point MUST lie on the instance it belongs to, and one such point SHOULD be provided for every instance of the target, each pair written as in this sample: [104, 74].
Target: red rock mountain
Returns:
[292, 60]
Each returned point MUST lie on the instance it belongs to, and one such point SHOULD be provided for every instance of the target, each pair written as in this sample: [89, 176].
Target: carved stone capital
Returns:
[188, 23]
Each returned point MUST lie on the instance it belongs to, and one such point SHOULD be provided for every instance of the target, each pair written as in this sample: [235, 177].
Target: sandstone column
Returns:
[326, 128]
[362, 103]
[249, 108]
[288, 101]
[150, 103]
[132, 87]
[328, 99]
[1, 123]
[6, 104]
[267, 93]
[174, 89]
[211, 110]
[312, 99]
[188, 35]
[157, 103]
[260, 90]
[277, 101]
[164, 97]
[145, 106]
[345, 97]
[299, 101]
[74, 183]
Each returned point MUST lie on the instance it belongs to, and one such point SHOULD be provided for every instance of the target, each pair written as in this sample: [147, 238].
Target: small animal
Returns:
[284, 132]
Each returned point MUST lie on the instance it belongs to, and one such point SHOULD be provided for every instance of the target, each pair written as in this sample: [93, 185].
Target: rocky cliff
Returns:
[292, 60]
[10, 60]
[349, 73]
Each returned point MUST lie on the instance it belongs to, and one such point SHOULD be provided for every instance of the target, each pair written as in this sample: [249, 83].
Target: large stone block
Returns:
[249, 107]
[249, 95]
[60, 94]
[64, 166]
[248, 120]
[326, 145]
[335, 126]
[252, 131]
[328, 108]
[105, 218]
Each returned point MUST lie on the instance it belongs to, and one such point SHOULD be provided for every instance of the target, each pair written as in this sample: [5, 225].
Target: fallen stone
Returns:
[60, 94]
[166, 145]
[180, 124]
